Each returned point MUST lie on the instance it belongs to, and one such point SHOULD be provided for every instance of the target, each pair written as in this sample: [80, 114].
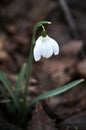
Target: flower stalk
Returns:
[29, 63]
[44, 34]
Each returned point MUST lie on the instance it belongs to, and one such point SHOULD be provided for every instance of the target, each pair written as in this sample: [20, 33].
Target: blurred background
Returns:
[68, 28]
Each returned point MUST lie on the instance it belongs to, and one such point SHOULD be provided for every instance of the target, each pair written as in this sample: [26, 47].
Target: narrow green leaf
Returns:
[56, 91]
[5, 97]
[9, 88]
[20, 79]
[50, 94]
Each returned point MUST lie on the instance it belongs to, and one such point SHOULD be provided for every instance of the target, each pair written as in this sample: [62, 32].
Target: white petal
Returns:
[39, 40]
[54, 45]
[37, 55]
[45, 46]
[37, 49]
[46, 50]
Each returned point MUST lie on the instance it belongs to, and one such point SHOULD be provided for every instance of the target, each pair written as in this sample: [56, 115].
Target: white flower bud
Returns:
[45, 46]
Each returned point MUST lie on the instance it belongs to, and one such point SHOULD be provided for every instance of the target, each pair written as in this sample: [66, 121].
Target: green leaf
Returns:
[56, 91]
[9, 88]
[5, 97]
[20, 79]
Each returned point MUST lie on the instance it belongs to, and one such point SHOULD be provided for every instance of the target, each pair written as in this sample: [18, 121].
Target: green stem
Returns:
[29, 67]
[29, 64]
[44, 32]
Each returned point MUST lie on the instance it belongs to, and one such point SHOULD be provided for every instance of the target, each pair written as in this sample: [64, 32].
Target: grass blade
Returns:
[9, 88]
[56, 91]
[20, 79]
[5, 97]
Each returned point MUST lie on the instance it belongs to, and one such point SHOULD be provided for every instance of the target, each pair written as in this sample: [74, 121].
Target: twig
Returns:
[69, 18]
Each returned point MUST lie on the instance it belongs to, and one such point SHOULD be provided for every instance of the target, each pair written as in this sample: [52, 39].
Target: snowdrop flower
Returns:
[46, 47]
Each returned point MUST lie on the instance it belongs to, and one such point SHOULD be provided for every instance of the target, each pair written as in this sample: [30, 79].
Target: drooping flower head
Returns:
[46, 47]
